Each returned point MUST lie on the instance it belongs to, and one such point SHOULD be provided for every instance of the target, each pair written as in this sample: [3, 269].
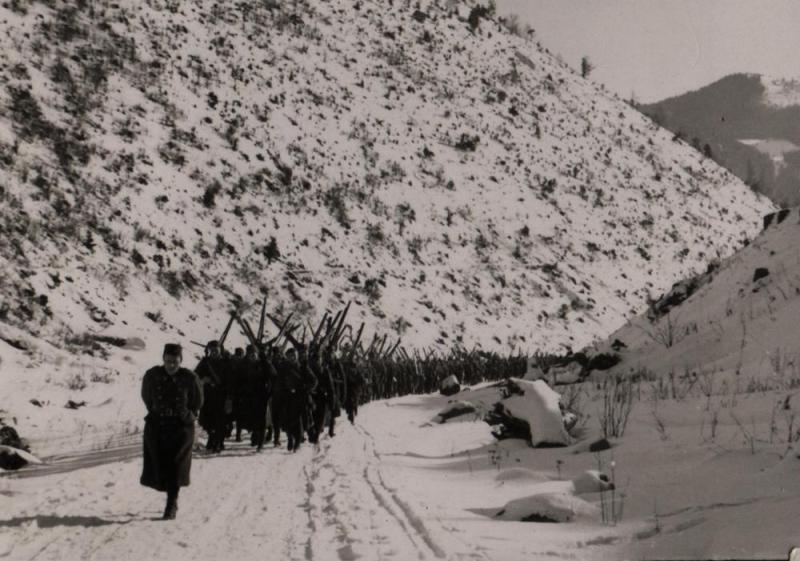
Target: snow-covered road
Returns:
[325, 502]
[385, 488]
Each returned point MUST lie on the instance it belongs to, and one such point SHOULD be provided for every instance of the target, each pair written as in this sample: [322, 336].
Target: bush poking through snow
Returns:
[76, 382]
[617, 406]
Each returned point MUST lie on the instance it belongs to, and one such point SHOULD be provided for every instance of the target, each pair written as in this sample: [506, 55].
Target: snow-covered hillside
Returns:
[161, 159]
[738, 323]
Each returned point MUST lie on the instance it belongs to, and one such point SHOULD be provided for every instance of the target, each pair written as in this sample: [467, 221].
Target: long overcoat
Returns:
[260, 377]
[215, 371]
[172, 403]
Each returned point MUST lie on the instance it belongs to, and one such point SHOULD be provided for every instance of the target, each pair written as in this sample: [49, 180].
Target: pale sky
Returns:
[661, 48]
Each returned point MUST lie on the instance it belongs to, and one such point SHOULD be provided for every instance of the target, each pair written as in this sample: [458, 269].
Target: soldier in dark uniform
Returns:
[317, 403]
[294, 382]
[238, 369]
[354, 382]
[339, 384]
[323, 399]
[173, 396]
[213, 373]
[259, 379]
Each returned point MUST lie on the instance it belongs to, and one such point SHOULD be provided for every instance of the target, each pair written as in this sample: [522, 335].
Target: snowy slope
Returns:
[742, 322]
[162, 159]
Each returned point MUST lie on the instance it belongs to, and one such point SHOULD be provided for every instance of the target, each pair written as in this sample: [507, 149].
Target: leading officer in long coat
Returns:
[173, 396]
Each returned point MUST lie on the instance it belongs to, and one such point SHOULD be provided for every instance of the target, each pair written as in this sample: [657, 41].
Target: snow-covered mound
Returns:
[521, 475]
[558, 501]
[548, 507]
[539, 407]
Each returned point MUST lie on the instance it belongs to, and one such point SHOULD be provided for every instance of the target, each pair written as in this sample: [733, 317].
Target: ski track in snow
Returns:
[355, 514]
[326, 502]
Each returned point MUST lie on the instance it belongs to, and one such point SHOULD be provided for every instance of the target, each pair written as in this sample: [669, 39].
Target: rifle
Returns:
[287, 333]
[357, 341]
[388, 355]
[261, 322]
[338, 331]
[379, 350]
[315, 340]
[281, 331]
[372, 344]
[248, 332]
[227, 329]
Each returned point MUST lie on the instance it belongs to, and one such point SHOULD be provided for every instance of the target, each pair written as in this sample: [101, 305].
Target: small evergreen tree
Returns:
[271, 251]
[478, 12]
[586, 67]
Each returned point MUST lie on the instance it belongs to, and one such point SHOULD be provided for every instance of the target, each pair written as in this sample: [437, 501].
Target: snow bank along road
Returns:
[391, 491]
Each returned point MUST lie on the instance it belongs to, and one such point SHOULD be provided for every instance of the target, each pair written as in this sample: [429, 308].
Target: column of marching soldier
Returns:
[267, 391]
[271, 392]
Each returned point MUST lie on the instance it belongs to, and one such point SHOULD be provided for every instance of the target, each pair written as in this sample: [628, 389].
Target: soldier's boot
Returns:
[171, 509]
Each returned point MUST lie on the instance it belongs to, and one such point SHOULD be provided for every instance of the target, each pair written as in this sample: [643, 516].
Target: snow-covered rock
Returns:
[455, 409]
[548, 507]
[558, 501]
[538, 406]
[450, 385]
[567, 374]
[14, 458]
[533, 371]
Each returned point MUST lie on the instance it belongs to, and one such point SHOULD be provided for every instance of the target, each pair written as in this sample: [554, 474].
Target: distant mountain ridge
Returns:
[747, 122]
[160, 160]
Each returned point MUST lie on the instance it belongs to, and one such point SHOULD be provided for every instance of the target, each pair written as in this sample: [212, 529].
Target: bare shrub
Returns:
[667, 331]
[102, 376]
[617, 406]
[571, 401]
[76, 382]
